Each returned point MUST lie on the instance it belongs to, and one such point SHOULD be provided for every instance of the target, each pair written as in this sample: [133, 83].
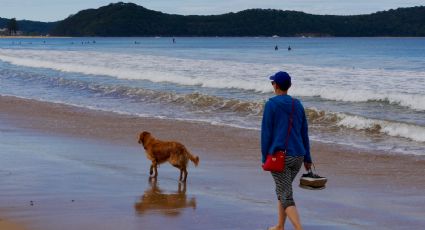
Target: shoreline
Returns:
[105, 145]
[57, 118]
[59, 109]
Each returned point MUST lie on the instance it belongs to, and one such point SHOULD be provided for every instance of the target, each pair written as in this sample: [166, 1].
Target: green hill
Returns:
[128, 19]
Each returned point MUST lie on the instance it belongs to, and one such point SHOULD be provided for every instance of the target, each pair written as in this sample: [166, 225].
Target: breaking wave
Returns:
[330, 83]
[195, 102]
[368, 125]
[413, 101]
[211, 106]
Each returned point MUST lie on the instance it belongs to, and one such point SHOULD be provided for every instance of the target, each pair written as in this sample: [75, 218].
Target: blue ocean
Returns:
[366, 93]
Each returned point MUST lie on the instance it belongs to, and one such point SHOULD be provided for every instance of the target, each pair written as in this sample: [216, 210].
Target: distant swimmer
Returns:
[94, 42]
[174, 40]
[289, 48]
[276, 48]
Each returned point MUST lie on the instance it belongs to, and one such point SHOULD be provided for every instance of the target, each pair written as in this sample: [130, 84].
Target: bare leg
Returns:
[282, 216]
[280, 219]
[293, 216]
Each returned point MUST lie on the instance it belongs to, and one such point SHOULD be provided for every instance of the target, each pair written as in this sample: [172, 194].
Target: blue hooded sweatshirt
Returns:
[274, 128]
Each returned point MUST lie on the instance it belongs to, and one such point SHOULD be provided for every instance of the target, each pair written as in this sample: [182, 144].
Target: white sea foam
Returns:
[396, 129]
[139, 67]
[371, 126]
[405, 88]
[413, 101]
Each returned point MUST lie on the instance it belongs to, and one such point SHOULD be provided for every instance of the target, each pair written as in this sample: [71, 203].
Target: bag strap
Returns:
[290, 124]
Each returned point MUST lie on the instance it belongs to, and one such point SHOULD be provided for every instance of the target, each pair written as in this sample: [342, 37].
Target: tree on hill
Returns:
[12, 26]
[129, 19]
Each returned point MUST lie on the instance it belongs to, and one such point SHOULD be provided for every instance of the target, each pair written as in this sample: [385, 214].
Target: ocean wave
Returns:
[207, 104]
[413, 101]
[201, 73]
[214, 106]
[368, 125]
[395, 129]
[396, 87]
[195, 102]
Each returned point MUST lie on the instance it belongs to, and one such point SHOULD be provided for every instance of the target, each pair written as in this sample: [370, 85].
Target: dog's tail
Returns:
[194, 159]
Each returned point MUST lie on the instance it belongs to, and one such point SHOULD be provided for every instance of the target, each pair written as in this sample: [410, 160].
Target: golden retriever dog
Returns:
[161, 151]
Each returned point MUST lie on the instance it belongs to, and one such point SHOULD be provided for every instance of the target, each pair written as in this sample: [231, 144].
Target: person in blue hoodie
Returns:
[274, 132]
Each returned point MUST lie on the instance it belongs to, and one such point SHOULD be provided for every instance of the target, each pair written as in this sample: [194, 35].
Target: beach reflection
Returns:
[170, 204]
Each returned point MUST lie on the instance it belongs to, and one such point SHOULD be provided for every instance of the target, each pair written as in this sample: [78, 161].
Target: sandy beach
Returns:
[64, 167]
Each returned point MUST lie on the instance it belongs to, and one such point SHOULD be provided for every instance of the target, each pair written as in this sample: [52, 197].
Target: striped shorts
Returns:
[283, 180]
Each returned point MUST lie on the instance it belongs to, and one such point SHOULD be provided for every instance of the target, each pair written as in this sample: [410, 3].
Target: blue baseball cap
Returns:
[281, 77]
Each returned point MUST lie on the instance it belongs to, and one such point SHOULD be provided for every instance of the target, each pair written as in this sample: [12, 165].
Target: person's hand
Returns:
[307, 166]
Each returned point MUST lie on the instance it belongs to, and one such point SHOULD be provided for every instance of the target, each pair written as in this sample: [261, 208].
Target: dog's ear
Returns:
[142, 137]
[146, 134]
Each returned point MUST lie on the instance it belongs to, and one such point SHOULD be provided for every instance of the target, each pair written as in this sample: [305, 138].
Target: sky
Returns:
[54, 10]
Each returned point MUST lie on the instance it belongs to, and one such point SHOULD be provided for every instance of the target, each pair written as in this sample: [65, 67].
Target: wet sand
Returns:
[6, 225]
[83, 169]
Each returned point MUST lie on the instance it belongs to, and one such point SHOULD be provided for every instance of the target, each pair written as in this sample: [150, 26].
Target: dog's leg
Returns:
[180, 190]
[181, 175]
[185, 175]
[155, 166]
[151, 170]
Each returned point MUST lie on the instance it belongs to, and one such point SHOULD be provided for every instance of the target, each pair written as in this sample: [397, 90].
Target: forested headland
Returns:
[128, 19]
